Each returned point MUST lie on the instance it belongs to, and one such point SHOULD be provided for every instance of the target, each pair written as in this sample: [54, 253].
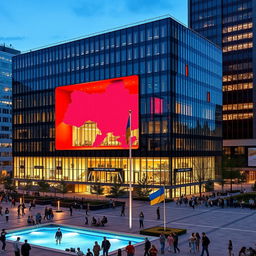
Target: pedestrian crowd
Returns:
[215, 200]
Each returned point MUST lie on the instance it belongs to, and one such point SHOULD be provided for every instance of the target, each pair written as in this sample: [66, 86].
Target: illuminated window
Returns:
[208, 97]
[186, 68]
[238, 116]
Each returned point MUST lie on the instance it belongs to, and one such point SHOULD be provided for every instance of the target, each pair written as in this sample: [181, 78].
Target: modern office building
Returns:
[6, 54]
[231, 24]
[72, 101]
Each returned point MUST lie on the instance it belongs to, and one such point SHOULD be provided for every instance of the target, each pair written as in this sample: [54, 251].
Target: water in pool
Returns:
[72, 238]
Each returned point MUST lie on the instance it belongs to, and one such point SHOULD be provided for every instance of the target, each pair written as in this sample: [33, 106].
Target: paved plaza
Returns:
[219, 224]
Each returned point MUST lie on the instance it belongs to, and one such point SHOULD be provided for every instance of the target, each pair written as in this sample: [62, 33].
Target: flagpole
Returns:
[131, 172]
[164, 212]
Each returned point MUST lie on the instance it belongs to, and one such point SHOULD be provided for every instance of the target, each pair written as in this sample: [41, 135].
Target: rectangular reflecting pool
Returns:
[72, 237]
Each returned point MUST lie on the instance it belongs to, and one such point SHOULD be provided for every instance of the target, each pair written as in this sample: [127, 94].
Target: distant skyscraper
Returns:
[231, 24]
[6, 54]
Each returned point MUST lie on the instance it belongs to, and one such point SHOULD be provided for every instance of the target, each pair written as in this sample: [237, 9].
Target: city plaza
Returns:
[220, 225]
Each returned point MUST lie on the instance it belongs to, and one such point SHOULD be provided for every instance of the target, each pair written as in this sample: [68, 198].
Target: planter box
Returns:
[156, 231]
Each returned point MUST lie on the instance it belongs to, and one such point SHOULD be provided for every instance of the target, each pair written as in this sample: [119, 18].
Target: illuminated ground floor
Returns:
[81, 173]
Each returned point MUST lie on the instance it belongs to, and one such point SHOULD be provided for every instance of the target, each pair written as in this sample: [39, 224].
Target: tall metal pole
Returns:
[131, 172]
[164, 212]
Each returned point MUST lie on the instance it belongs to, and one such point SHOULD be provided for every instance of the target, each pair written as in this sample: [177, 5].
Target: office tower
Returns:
[6, 54]
[72, 101]
[231, 25]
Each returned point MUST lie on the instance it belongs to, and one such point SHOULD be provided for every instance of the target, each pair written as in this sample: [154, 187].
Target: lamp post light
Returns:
[58, 206]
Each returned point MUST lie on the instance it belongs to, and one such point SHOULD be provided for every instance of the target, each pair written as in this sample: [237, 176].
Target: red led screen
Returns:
[94, 115]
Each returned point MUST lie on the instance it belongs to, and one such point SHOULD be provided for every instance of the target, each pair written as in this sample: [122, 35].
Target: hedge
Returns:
[67, 202]
[157, 231]
[245, 197]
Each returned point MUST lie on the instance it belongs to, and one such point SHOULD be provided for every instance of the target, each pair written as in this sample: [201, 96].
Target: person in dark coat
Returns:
[147, 246]
[3, 239]
[175, 243]
[205, 244]
[105, 245]
[158, 213]
[25, 248]
[71, 210]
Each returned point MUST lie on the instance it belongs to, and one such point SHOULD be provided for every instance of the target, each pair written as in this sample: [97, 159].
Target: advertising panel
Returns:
[94, 115]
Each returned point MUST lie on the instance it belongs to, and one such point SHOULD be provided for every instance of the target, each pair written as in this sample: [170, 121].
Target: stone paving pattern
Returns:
[221, 225]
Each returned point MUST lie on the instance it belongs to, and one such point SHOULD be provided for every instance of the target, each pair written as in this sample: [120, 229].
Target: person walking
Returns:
[170, 242]
[105, 245]
[230, 248]
[71, 210]
[162, 242]
[58, 236]
[123, 210]
[16, 247]
[198, 239]
[141, 219]
[6, 213]
[130, 250]
[18, 211]
[153, 251]
[96, 249]
[25, 248]
[46, 213]
[158, 213]
[23, 207]
[87, 209]
[147, 246]
[175, 243]
[205, 244]
[192, 243]
[3, 239]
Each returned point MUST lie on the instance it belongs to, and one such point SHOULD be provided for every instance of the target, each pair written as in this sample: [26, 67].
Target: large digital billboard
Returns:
[94, 115]
[251, 156]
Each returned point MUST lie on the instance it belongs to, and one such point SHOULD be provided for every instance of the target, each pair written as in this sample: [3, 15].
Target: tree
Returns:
[43, 186]
[62, 187]
[116, 190]
[230, 169]
[97, 189]
[28, 186]
[199, 173]
[209, 186]
[8, 183]
[143, 190]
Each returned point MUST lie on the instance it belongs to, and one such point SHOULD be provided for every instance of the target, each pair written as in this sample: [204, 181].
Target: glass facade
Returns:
[232, 25]
[6, 54]
[180, 106]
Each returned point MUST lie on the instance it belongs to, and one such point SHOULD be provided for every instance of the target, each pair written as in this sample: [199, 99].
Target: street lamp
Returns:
[58, 206]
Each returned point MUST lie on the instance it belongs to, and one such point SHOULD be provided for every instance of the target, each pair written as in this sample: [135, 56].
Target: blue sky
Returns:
[28, 24]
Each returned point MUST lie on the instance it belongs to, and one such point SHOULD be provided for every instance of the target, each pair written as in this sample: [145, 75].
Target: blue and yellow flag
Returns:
[157, 197]
[128, 130]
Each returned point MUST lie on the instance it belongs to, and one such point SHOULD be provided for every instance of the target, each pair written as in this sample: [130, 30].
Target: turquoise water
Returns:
[72, 238]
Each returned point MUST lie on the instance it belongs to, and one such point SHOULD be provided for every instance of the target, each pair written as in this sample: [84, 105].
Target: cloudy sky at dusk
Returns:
[28, 24]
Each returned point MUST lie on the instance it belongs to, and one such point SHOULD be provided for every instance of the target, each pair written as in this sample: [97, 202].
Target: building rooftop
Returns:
[8, 49]
[118, 28]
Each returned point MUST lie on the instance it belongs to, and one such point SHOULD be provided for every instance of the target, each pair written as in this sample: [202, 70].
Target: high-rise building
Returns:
[72, 100]
[231, 24]
[6, 54]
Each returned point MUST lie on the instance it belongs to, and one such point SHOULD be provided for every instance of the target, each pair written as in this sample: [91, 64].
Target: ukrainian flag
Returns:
[128, 130]
[157, 197]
